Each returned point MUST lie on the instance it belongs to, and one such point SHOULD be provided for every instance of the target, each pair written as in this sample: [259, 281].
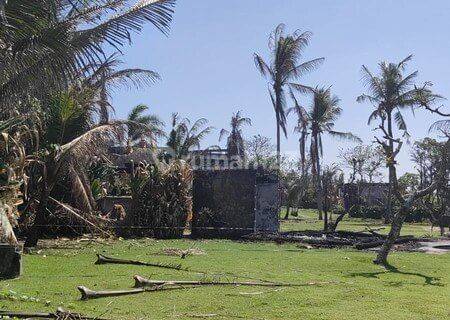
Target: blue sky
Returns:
[208, 71]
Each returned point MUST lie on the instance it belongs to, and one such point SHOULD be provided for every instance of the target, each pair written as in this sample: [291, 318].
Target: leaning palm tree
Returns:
[390, 93]
[284, 68]
[235, 141]
[68, 161]
[319, 120]
[183, 136]
[144, 126]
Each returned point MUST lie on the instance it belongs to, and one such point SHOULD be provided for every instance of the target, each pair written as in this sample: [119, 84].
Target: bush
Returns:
[417, 215]
[366, 212]
[162, 201]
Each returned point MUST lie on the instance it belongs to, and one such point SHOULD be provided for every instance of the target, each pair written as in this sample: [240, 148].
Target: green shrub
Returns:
[162, 202]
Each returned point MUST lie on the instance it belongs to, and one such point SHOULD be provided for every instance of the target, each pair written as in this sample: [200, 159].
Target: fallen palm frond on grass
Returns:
[101, 259]
[60, 314]
[145, 285]
[141, 282]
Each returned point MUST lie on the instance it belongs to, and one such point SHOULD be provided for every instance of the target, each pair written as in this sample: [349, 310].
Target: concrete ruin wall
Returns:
[233, 203]
[369, 194]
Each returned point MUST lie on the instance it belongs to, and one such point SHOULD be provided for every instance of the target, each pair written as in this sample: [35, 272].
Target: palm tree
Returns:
[315, 122]
[184, 136]
[45, 44]
[142, 126]
[390, 93]
[283, 69]
[69, 161]
[107, 77]
[235, 141]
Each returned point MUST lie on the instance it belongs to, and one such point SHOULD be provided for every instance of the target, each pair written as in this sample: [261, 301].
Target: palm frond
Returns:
[441, 125]
[344, 136]
[304, 68]
[137, 111]
[223, 133]
[117, 29]
[400, 121]
[300, 88]
[402, 64]
[136, 77]
[261, 65]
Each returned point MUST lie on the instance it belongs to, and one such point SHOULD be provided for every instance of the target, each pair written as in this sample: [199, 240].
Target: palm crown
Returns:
[283, 69]
[143, 126]
[235, 141]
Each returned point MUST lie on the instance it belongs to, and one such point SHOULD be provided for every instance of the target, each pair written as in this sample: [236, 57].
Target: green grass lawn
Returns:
[419, 289]
[307, 220]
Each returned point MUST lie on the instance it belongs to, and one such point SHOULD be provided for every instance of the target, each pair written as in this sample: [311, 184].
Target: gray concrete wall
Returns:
[267, 207]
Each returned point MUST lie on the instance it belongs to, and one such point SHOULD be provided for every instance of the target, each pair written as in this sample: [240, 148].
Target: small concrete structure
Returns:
[364, 193]
[234, 203]
[10, 261]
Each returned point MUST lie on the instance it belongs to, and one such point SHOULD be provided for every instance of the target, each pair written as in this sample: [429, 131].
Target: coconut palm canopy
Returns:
[143, 126]
[391, 91]
[186, 135]
[235, 140]
[318, 120]
[46, 44]
[283, 69]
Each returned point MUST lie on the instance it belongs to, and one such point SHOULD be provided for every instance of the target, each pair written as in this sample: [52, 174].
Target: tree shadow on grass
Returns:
[431, 281]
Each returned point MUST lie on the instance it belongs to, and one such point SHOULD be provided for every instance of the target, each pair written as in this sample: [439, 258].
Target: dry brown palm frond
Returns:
[80, 216]
[81, 190]
[92, 143]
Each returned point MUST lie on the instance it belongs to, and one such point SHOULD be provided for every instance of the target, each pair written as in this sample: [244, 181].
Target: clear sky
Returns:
[208, 71]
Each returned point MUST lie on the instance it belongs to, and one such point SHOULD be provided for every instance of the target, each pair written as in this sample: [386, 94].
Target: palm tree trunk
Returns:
[278, 143]
[48, 183]
[388, 214]
[319, 190]
[288, 210]
[394, 233]
[104, 114]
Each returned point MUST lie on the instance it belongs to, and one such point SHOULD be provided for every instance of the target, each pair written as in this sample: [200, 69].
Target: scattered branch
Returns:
[104, 260]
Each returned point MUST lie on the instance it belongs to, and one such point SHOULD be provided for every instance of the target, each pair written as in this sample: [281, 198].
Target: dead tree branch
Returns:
[104, 260]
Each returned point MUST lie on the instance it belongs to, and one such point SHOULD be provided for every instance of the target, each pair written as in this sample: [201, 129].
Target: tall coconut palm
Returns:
[283, 68]
[235, 141]
[314, 123]
[143, 126]
[390, 93]
[184, 136]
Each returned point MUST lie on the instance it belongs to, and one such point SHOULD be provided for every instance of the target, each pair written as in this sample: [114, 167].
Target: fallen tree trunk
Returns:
[59, 314]
[87, 294]
[104, 260]
[141, 282]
